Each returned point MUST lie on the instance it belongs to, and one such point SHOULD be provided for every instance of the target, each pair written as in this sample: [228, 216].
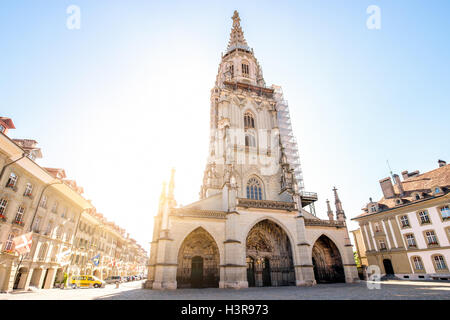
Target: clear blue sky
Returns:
[121, 100]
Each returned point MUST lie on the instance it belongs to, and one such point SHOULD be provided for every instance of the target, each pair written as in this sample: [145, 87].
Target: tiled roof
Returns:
[422, 184]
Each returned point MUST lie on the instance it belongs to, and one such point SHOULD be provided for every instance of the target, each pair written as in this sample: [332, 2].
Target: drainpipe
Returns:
[40, 198]
[8, 164]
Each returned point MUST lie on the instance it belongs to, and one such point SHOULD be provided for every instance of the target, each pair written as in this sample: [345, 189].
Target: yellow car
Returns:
[86, 282]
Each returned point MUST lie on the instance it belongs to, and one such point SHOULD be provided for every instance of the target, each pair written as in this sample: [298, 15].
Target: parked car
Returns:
[113, 279]
[86, 281]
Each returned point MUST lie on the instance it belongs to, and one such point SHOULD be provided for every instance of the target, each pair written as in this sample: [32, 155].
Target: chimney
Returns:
[399, 184]
[387, 188]
[405, 174]
[442, 163]
[414, 173]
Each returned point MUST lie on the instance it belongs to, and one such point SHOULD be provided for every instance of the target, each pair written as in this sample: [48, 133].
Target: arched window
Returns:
[231, 70]
[249, 120]
[245, 69]
[250, 140]
[254, 190]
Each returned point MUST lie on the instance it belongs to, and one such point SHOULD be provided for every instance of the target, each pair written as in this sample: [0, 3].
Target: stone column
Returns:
[348, 259]
[233, 271]
[25, 280]
[304, 272]
[165, 270]
[50, 278]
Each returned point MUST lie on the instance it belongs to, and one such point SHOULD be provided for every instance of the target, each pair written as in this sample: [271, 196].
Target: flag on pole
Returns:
[22, 243]
[96, 260]
[64, 257]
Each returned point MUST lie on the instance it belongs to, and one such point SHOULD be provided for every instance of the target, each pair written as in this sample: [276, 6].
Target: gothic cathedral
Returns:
[250, 226]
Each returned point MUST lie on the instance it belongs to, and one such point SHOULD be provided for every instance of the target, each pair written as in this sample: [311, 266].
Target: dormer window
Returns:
[437, 190]
[2, 128]
[373, 209]
[417, 196]
[398, 201]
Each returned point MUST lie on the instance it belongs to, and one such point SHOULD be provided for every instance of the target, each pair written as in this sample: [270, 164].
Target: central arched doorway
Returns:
[198, 261]
[269, 256]
[327, 262]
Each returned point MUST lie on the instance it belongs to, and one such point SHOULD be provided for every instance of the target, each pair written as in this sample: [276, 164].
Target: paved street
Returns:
[390, 290]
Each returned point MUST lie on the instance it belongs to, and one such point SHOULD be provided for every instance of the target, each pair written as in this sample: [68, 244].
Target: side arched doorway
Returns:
[269, 256]
[198, 261]
[327, 261]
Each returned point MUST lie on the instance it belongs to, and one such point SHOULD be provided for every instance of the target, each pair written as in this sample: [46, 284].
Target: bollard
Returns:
[117, 284]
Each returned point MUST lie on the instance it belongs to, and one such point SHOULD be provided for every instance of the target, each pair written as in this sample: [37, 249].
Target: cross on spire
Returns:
[237, 39]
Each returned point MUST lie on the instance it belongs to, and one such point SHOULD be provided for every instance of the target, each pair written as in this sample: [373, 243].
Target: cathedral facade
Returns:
[250, 226]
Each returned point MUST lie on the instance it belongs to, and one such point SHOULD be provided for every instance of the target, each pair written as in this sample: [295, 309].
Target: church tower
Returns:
[245, 141]
[249, 227]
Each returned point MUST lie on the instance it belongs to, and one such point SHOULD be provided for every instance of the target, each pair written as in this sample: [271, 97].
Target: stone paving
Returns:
[390, 290]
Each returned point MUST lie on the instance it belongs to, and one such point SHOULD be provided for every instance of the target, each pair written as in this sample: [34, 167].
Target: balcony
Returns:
[266, 204]
[307, 198]
[324, 223]
[19, 223]
[28, 195]
[12, 186]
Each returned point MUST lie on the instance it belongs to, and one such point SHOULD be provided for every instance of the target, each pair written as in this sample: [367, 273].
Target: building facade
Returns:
[249, 227]
[407, 233]
[42, 201]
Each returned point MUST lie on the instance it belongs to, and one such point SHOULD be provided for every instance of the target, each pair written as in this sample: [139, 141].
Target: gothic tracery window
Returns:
[249, 120]
[245, 69]
[250, 140]
[254, 190]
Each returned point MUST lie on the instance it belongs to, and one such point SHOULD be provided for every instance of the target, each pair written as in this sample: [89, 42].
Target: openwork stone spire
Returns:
[339, 210]
[237, 39]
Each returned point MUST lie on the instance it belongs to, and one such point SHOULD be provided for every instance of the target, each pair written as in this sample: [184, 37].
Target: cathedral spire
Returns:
[237, 39]
[329, 211]
[163, 192]
[171, 184]
[339, 211]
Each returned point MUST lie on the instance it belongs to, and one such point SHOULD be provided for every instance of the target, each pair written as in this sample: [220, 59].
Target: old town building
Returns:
[42, 201]
[250, 226]
[407, 232]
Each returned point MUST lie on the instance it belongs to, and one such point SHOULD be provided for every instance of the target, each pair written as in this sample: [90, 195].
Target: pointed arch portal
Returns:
[327, 262]
[198, 261]
[269, 256]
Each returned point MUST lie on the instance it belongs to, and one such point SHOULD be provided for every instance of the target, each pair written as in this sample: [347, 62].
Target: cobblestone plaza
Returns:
[389, 290]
